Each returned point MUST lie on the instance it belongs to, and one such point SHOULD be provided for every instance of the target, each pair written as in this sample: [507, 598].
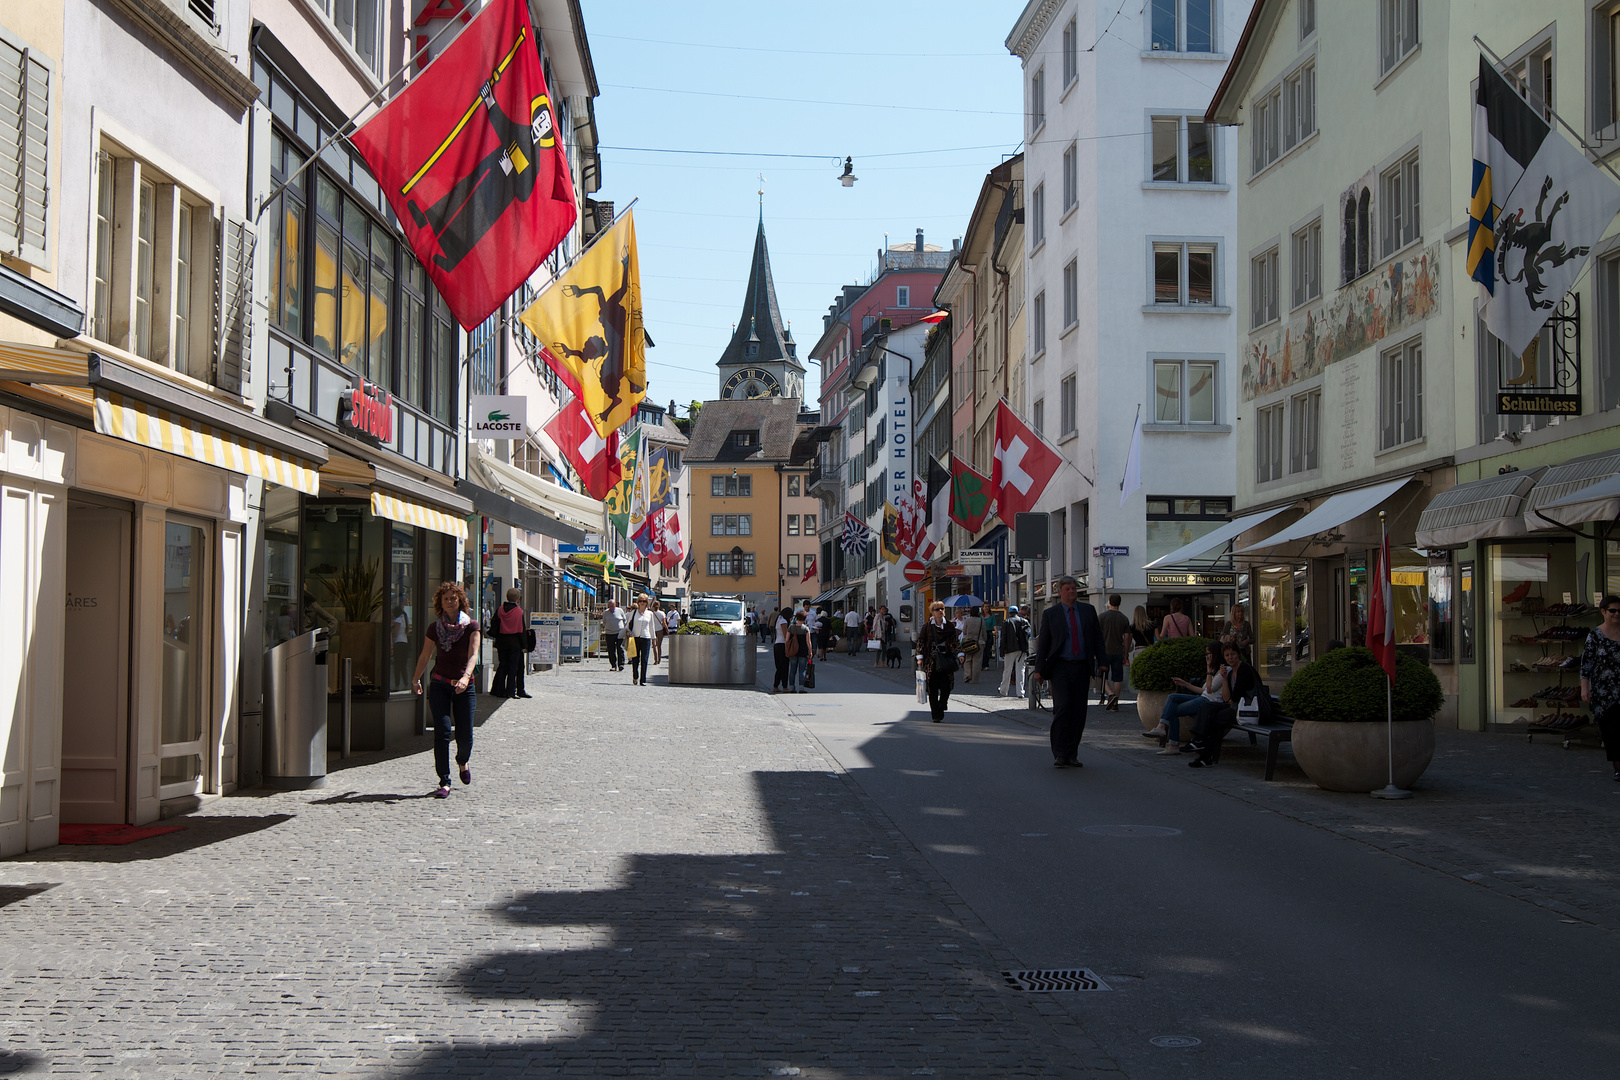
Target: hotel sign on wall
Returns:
[368, 411]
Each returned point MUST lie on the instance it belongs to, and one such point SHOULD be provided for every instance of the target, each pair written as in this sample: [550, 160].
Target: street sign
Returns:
[500, 549]
[1110, 549]
[1032, 535]
[956, 571]
[976, 557]
[1015, 566]
[579, 549]
[915, 571]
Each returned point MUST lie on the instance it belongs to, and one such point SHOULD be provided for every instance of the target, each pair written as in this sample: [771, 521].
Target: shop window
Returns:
[404, 617]
[283, 518]
[1533, 667]
[186, 639]
[1441, 615]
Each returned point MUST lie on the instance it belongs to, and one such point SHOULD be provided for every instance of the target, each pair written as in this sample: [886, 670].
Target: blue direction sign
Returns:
[1110, 549]
[579, 549]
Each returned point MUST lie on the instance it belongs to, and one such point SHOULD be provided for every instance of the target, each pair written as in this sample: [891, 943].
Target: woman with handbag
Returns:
[779, 651]
[643, 625]
[939, 656]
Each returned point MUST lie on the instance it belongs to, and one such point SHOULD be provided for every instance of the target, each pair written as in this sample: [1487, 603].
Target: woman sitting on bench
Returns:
[1178, 705]
[1239, 681]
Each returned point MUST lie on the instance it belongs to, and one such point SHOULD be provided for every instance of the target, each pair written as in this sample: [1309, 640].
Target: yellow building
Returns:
[749, 462]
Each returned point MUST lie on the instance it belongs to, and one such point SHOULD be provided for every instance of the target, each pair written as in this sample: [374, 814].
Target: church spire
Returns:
[760, 337]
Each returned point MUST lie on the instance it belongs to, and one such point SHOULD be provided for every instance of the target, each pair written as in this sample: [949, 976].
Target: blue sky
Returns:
[877, 81]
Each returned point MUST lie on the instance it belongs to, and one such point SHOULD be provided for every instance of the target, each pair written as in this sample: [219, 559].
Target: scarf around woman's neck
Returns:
[448, 633]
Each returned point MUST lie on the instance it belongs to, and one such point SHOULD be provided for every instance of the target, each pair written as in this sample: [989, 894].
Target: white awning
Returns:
[1586, 489]
[1337, 510]
[548, 498]
[1490, 507]
[1214, 541]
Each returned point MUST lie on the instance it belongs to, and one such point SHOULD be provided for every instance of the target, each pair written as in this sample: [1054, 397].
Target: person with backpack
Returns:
[511, 634]
[939, 655]
[797, 648]
[1014, 651]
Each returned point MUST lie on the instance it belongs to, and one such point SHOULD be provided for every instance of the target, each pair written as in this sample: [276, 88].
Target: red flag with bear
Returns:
[468, 156]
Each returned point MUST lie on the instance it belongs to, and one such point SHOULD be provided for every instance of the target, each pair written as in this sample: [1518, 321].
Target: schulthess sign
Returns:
[497, 417]
[367, 410]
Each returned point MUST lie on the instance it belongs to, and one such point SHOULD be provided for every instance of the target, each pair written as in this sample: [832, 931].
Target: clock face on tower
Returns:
[751, 382]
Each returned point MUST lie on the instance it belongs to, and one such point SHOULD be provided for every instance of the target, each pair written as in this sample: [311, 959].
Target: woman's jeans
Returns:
[1175, 707]
[452, 717]
[638, 666]
[795, 672]
[779, 655]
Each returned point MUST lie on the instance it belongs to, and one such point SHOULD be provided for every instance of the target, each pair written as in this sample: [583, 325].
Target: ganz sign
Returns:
[368, 410]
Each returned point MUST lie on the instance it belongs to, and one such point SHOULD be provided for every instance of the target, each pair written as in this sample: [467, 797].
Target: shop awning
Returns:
[1215, 541]
[581, 585]
[548, 498]
[1575, 492]
[833, 595]
[184, 436]
[1337, 510]
[517, 515]
[396, 508]
[1492, 506]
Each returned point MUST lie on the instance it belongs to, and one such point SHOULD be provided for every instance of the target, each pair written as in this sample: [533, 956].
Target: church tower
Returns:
[760, 360]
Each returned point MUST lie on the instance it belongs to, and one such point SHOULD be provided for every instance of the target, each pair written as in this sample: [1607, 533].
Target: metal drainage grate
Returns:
[1054, 980]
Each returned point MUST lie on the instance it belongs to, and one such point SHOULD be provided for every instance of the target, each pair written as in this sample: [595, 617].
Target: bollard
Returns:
[348, 701]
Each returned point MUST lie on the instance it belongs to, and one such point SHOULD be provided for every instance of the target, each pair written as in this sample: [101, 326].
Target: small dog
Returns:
[891, 656]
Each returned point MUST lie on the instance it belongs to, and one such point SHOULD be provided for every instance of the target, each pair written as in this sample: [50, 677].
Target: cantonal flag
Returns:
[1023, 465]
[970, 496]
[1381, 615]
[594, 458]
[935, 510]
[468, 157]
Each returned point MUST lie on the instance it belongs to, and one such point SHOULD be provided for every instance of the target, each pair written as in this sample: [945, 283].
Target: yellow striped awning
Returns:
[137, 422]
[20, 362]
[406, 512]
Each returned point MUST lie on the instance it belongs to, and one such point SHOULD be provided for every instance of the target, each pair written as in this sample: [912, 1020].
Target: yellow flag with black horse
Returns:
[590, 328]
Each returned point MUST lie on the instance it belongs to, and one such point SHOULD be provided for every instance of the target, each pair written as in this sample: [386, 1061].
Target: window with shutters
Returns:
[27, 81]
[173, 278]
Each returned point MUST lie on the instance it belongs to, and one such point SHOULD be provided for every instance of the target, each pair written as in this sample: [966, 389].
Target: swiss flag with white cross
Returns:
[1022, 468]
[594, 458]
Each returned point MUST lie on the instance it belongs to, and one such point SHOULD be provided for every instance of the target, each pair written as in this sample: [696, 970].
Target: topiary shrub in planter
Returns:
[1155, 668]
[698, 626]
[1339, 707]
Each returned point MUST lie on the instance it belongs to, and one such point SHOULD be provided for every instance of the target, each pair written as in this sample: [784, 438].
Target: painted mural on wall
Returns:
[1355, 318]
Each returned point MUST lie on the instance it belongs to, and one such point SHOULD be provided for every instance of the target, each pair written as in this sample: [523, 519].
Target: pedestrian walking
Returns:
[797, 648]
[852, 630]
[1176, 624]
[939, 655]
[883, 628]
[1014, 652]
[1237, 631]
[613, 620]
[779, 679]
[1067, 646]
[642, 630]
[821, 627]
[450, 648]
[972, 625]
[660, 630]
[673, 618]
[1116, 638]
[1600, 679]
[511, 634]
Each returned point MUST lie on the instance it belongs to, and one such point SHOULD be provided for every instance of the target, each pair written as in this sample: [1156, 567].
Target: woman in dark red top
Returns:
[451, 648]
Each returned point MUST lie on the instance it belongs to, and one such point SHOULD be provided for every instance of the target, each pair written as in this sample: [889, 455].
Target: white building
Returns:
[1131, 279]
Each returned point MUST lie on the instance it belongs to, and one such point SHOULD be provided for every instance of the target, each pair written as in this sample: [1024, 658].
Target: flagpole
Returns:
[342, 130]
[1502, 64]
[1390, 792]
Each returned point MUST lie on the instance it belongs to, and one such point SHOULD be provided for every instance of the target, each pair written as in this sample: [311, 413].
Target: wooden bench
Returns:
[1275, 735]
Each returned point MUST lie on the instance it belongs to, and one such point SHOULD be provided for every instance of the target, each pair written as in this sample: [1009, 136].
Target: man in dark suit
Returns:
[1067, 648]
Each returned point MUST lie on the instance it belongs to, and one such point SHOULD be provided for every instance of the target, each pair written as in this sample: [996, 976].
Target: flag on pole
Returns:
[906, 530]
[669, 521]
[660, 477]
[1022, 466]
[641, 508]
[970, 496]
[594, 458]
[891, 533]
[621, 498]
[856, 535]
[1536, 207]
[1381, 615]
[589, 322]
[1132, 481]
[809, 569]
[468, 157]
[936, 509]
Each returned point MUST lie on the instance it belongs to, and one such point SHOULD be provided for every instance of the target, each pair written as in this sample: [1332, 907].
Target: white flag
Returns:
[1133, 461]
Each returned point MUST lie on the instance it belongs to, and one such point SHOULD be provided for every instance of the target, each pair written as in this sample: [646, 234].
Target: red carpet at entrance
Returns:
[110, 834]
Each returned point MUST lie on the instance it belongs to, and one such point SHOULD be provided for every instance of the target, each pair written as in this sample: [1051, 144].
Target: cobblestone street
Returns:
[634, 884]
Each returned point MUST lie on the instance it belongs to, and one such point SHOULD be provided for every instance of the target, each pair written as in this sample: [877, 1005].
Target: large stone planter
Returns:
[1149, 707]
[712, 659]
[1355, 756]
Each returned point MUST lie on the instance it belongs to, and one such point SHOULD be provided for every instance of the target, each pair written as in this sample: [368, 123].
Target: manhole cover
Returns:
[1130, 830]
[1054, 980]
[1175, 1042]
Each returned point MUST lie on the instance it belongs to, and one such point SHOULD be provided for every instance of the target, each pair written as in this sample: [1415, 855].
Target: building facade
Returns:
[1133, 276]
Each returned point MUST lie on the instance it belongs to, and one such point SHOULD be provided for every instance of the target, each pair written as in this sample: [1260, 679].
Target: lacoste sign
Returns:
[497, 417]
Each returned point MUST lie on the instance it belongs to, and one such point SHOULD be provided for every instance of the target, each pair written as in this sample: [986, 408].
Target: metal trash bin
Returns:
[295, 712]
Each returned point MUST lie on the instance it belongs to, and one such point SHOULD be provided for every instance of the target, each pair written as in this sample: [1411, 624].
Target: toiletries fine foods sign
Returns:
[492, 417]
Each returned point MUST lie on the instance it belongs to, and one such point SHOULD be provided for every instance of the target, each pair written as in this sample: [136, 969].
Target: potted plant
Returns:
[355, 590]
[1156, 668]
[702, 654]
[1339, 706]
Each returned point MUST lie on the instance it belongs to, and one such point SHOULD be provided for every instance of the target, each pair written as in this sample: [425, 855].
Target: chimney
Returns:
[919, 240]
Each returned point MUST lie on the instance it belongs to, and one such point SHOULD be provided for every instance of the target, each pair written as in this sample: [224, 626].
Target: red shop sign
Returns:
[368, 409]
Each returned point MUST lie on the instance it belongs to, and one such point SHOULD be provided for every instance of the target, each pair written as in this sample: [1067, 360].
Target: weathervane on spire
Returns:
[762, 192]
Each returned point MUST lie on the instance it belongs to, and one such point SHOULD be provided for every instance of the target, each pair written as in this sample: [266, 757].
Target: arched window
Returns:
[1347, 243]
[1364, 232]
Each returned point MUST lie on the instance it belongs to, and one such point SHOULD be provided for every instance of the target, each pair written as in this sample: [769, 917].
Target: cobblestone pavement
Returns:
[1536, 822]
[640, 882]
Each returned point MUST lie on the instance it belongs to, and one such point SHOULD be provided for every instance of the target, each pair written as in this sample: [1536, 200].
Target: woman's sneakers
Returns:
[466, 775]
[443, 792]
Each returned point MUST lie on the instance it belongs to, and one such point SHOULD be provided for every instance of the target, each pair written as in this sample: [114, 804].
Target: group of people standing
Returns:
[636, 638]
